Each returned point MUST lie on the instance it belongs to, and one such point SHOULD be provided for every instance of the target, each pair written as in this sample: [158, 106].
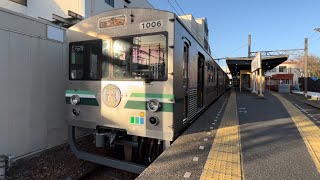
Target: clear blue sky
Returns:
[273, 24]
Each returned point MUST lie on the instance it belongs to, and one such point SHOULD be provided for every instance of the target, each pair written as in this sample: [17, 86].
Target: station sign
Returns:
[256, 62]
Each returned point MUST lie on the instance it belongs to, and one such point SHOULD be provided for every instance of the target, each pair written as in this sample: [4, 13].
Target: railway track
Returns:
[60, 163]
[103, 172]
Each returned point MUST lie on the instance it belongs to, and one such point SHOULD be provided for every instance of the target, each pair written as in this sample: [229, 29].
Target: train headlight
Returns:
[154, 121]
[75, 99]
[153, 105]
[75, 112]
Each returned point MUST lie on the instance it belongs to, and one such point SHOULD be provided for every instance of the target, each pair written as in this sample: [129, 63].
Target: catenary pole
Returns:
[306, 67]
[249, 45]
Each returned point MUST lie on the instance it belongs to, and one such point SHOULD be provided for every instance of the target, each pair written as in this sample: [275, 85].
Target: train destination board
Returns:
[112, 22]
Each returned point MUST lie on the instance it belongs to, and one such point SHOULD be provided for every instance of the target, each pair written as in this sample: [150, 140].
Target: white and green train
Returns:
[138, 78]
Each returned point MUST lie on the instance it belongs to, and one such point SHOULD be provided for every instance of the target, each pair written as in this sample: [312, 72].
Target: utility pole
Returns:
[253, 75]
[249, 45]
[306, 67]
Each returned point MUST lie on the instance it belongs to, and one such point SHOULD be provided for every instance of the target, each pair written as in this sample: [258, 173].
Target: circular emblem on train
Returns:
[111, 95]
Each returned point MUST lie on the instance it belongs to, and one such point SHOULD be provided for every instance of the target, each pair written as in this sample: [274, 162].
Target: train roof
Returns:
[150, 9]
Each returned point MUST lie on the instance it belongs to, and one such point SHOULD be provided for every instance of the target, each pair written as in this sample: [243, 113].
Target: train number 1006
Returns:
[151, 24]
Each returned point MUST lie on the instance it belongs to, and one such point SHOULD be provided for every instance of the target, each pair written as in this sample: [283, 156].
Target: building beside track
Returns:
[33, 70]
[288, 67]
[85, 8]
[283, 77]
[32, 80]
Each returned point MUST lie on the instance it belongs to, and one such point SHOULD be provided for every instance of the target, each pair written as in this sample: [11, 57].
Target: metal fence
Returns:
[313, 84]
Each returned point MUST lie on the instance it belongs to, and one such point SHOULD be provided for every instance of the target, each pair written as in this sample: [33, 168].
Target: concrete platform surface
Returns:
[186, 157]
[275, 137]
[272, 147]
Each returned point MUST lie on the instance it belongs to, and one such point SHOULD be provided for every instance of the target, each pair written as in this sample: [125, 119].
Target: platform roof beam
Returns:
[290, 52]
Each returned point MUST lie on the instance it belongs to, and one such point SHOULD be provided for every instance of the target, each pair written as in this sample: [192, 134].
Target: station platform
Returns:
[242, 136]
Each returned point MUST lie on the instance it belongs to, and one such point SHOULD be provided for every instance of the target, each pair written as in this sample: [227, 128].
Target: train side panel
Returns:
[187, 105]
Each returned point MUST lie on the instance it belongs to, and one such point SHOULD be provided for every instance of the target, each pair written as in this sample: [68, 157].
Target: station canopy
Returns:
[244, 63]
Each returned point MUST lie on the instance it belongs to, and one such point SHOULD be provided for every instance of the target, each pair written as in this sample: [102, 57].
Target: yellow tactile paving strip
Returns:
[308, 130]
[224, 159]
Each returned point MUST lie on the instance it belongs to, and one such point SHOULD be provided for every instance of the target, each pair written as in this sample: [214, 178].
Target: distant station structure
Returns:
[247, 78]
[286, 74]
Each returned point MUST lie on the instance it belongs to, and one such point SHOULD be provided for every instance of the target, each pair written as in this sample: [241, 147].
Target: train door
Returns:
[245, 82]
[186, 80]
[200, 85]
[217, 82]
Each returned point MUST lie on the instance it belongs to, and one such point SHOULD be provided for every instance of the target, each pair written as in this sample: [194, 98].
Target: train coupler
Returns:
[104, 139]
[106, 161]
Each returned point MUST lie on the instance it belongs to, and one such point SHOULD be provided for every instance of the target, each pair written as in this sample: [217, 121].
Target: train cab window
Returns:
[185, 69]
[85, 59]
[140, 57]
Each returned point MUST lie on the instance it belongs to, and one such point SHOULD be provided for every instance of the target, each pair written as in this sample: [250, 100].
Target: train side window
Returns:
[85, 60]
[185, 64]
[211, 73]
[214, 74]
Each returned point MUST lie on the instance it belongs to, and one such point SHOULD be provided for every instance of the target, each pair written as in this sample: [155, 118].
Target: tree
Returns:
[313, 65]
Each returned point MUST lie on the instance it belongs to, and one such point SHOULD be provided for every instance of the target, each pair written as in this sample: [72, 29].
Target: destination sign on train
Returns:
[113, 21]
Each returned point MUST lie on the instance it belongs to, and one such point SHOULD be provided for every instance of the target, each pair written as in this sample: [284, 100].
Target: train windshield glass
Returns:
[85, 59]
[140, 57]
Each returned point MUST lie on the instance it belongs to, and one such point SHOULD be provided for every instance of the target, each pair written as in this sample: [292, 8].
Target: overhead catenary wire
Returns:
[214, 55]
[185, 15]
[218, 59]
[313, 35]
[192, 27]
[239, 48]
[173, 7]
[311, 43]
[190, 23]
[310, 37]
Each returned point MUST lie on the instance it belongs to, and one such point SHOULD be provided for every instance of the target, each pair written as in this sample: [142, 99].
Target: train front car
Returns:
[120, 84]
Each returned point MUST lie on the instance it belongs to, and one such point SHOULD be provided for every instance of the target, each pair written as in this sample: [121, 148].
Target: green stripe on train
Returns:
[79, 92]
[146, 95]
[142, 105]
[85, 101]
